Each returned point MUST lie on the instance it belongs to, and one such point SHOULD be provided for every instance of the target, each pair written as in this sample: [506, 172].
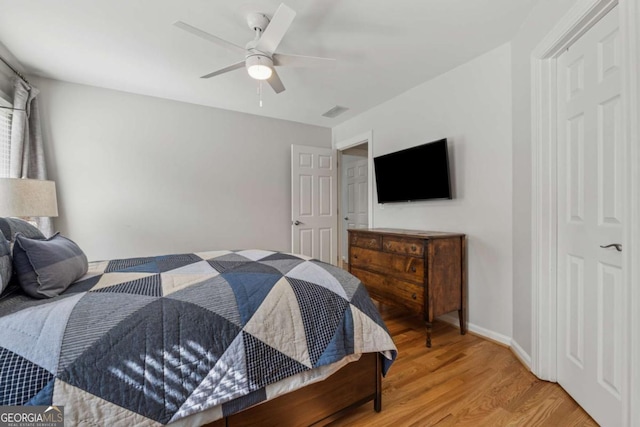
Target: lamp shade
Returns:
[27, 198]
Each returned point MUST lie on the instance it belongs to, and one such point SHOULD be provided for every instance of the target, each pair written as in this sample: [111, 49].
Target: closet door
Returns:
[590, 216]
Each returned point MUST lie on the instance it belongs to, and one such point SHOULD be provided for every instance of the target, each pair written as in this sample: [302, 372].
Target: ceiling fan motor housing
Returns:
[258, 59]
[257, 21]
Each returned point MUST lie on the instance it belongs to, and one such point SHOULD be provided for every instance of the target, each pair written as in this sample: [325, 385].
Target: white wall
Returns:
[6, 75]
[138, 175]
[471, 106]
[540, 21]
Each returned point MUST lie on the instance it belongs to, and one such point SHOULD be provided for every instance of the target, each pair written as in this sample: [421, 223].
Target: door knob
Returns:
[618, 246]
[297, 222]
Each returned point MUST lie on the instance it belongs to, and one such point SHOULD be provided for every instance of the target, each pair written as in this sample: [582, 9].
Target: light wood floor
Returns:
[463, 380]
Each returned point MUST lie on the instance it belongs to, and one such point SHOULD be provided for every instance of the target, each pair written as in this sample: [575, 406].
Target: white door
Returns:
[314, 212]
[590, 177]
[355, 201]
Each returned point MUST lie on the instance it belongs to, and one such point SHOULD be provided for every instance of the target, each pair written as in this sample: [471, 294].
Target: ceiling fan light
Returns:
[260, 72]
[259, 67]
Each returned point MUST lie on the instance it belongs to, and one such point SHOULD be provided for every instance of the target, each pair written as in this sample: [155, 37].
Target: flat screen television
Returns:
[417, 173]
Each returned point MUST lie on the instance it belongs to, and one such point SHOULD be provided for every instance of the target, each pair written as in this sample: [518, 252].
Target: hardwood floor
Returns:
[463, 380]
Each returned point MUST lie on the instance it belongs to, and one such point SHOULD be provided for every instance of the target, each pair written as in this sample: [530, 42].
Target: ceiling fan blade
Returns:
[285, 60]
[224, 70]
[275, 82]
[276, 29]
[210, 37]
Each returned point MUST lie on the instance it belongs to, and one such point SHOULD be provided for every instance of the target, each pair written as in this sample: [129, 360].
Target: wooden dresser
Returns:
[423, 272]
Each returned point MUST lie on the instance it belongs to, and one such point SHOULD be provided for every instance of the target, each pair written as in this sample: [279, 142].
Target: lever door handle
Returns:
[346, 218]
[618, 246]
[296, 222]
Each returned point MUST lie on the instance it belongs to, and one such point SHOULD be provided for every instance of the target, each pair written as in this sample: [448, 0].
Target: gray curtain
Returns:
[27, 154]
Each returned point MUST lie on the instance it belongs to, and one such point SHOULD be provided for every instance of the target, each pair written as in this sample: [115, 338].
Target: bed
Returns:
[216, 338]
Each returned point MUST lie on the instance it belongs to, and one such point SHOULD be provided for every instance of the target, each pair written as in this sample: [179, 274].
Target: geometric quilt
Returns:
[156, 339]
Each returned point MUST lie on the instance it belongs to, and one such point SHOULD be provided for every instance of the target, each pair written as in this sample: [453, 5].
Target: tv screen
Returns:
[417, 173]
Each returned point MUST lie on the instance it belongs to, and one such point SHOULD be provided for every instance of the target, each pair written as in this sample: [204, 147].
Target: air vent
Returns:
[335, 111]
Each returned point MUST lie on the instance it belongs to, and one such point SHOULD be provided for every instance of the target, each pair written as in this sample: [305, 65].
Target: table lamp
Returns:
[25, 198]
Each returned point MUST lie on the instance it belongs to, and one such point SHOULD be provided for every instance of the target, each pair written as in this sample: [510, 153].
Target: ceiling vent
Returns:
[335, 111]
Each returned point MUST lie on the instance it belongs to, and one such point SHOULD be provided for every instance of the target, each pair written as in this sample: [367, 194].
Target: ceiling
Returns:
[383, 48]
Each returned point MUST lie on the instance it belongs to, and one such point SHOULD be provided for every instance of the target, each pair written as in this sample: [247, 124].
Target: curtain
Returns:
[27, 154]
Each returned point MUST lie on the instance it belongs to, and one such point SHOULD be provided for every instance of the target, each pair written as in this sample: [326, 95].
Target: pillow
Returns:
[5, 263]
[8, 229]
[45, 268]
[11, 226]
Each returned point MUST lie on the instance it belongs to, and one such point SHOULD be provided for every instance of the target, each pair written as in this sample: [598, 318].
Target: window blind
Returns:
[5, 140]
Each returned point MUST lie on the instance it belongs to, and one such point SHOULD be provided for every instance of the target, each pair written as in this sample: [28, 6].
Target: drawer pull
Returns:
[414, 248]
[355, 256]
[414, 296]
[413, 269]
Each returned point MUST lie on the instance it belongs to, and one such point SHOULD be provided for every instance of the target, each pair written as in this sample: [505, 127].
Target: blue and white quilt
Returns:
[155, 340]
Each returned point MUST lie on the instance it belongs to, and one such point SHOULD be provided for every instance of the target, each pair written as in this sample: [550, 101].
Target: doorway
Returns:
[354, 172]
[355, 189]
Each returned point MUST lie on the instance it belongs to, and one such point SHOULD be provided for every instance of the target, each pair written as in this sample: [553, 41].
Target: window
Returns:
[5, 140]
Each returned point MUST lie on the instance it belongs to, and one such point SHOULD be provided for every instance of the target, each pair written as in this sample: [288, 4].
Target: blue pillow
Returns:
[9, 227]
[45, 268]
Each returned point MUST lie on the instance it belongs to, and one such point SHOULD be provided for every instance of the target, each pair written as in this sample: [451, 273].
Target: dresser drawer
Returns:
[403, 246]
[389, 290]
[366, 240]
[403, 267]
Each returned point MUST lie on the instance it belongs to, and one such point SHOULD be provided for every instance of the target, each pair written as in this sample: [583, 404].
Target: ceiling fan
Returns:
[260, 57]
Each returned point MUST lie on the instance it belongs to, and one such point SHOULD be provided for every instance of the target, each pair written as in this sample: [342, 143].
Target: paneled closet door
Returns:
[590, 207]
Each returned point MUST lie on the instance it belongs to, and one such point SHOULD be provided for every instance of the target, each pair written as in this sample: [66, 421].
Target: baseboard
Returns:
[522, 355]
[478, 330]
[500, 339]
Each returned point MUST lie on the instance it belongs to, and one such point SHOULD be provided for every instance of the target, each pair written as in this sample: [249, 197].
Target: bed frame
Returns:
[320, 403]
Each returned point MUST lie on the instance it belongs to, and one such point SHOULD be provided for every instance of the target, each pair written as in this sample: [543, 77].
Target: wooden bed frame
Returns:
[320, 403]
